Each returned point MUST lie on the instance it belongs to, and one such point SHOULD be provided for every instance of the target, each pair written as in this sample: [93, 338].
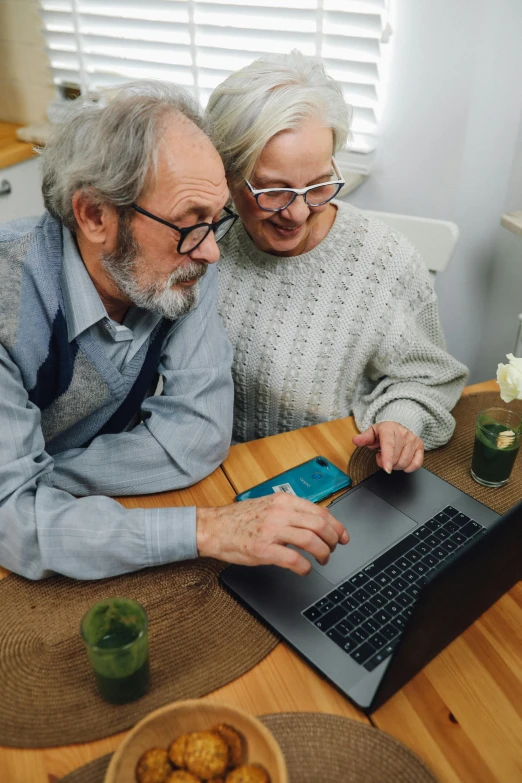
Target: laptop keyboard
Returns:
[366, 615]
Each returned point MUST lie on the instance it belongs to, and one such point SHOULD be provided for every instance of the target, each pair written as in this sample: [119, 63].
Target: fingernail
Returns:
[345, 538]
[388, 470]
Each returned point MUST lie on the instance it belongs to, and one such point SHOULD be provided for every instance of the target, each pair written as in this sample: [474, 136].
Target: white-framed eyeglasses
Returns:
[276, 199]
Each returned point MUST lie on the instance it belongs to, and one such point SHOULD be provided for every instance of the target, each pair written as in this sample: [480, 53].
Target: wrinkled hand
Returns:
[257, 532]
[399, 448]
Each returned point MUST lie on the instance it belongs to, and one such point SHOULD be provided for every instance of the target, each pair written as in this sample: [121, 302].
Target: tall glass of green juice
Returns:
[115, 632]
[497, 440]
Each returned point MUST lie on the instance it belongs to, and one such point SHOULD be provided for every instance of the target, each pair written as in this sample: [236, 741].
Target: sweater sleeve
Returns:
[411, 378]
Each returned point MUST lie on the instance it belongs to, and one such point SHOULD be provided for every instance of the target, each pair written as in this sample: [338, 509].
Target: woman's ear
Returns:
[233, 185]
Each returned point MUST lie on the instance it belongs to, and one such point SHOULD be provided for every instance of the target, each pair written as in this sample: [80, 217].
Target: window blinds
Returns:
[96, 43]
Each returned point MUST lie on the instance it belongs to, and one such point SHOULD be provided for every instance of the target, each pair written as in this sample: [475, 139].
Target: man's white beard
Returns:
[160, 298]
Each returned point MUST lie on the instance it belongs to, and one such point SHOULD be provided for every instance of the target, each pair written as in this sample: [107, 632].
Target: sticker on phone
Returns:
[284, 488]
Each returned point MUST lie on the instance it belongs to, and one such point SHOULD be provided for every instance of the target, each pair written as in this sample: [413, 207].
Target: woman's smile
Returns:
[286, 232]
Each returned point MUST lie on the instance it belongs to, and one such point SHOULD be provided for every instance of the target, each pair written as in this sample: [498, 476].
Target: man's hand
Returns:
[399, 448]
[257, 532]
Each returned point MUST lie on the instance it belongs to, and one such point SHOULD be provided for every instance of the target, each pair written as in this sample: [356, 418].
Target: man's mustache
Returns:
[192, 272]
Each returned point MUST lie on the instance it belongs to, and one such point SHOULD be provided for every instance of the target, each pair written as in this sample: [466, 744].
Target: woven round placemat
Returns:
[453, 461]
[322, 749]
[200, 639]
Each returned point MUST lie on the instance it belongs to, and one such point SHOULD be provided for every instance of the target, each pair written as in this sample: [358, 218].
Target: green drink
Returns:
[115, 632]
[497, 441]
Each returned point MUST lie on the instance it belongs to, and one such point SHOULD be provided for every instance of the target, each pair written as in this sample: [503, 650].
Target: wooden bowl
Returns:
[161, 727]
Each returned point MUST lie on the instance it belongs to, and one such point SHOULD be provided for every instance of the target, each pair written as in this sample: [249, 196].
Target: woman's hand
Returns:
[399, 448]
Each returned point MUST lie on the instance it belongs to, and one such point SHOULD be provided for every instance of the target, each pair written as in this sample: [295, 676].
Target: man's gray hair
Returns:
[272, 94]
[107, 144]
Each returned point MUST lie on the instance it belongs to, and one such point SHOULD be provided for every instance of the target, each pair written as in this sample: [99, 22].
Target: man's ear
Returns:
[97, 222]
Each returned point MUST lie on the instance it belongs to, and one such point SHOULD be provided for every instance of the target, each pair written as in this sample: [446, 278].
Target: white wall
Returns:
[450, 147]
[504, 296]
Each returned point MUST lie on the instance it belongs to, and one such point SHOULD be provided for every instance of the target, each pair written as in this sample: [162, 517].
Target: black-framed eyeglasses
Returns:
[276, 199]
[192, 236]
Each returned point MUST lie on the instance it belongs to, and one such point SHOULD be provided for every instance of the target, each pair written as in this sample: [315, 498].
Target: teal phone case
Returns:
[313, 480]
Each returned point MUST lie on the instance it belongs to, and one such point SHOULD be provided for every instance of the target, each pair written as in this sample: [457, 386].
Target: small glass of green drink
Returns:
[115, 632]
[497, 440]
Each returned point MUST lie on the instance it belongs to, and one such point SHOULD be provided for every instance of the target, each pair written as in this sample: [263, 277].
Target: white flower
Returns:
[509, 378]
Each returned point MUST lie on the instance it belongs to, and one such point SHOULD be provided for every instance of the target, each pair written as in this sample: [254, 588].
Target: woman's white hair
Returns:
[274, 93]
[108, 142]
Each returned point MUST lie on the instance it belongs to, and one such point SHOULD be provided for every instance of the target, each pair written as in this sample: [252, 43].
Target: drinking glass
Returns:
[497, 440]
[115, 632]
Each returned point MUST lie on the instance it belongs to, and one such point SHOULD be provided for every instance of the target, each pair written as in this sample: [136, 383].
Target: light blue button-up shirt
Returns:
[56, 513]
[84, 309]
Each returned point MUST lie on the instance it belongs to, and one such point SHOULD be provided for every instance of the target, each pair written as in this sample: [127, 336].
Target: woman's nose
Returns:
[297, 211]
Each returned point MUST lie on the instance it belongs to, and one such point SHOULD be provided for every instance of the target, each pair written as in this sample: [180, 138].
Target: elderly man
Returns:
[112, 288]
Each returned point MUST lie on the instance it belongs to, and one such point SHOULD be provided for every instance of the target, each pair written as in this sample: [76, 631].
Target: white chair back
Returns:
[434, 239]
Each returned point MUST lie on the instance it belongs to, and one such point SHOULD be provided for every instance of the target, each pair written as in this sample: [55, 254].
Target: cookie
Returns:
[206, 754]
[182, 776]
[177, 750]
[153, 766]
[234, 742]
[248, 773]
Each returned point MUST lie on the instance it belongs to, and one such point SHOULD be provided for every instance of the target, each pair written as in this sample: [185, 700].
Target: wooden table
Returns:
[462, 714]
[47, 765]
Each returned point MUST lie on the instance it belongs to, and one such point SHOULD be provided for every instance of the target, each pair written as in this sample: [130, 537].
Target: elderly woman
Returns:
[329, 312]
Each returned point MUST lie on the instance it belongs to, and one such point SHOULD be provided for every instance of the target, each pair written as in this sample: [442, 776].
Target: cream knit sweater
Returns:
[348, 327]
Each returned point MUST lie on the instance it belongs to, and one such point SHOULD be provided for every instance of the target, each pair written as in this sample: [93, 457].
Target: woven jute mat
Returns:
[321, 749]
[200, 639]
[453, 461]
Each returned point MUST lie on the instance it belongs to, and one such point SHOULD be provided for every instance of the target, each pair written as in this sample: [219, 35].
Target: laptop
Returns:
[423, 562]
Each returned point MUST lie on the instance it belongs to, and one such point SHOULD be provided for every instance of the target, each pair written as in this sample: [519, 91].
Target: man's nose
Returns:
[207, 252]
[297, 211]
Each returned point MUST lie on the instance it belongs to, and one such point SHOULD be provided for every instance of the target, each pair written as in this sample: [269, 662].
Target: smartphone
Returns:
[313, 480]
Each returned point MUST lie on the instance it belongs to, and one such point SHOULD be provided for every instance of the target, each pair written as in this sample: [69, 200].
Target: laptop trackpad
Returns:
[372, 524]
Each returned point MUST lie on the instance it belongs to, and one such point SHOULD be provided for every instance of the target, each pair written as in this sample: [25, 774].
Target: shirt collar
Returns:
[83, 306]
